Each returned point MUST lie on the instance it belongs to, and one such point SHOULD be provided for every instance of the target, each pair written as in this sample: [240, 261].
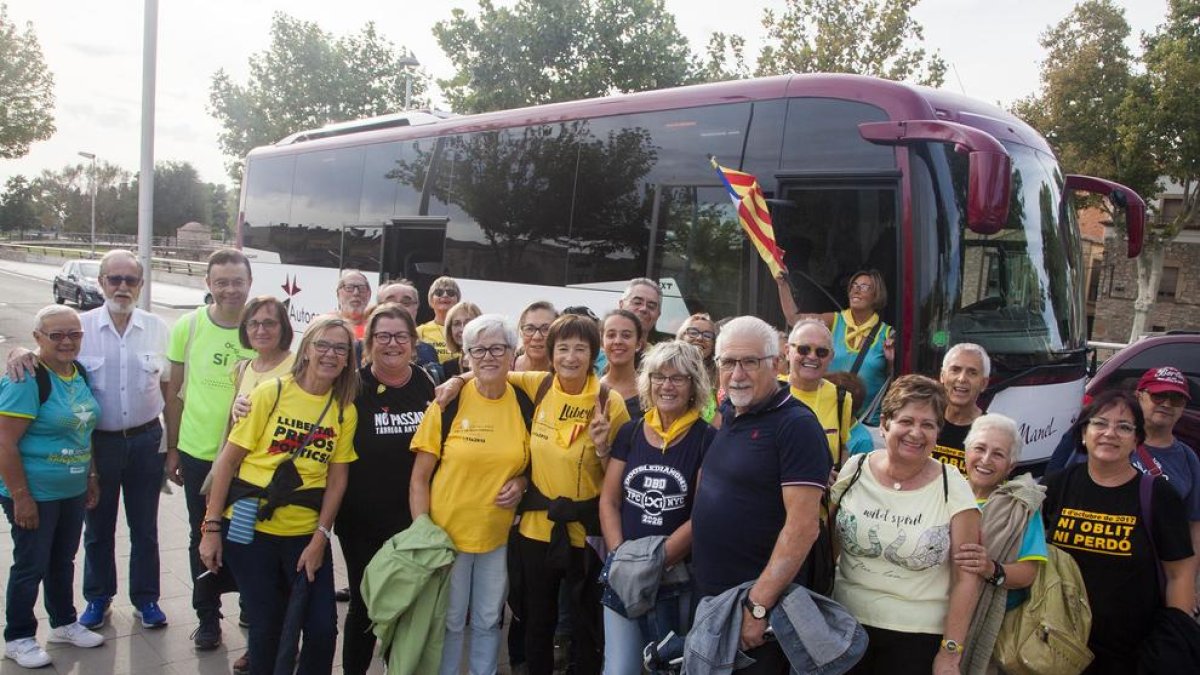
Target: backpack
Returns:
[526, 404]
[1048, 633]
[42, 375]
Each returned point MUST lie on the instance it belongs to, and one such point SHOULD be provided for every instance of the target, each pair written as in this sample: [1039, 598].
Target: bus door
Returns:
[410, 248]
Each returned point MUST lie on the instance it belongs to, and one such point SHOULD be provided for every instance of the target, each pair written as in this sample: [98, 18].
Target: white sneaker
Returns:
[77, 635]
[27, 653]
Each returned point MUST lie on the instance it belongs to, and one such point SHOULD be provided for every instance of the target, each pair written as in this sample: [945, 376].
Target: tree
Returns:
[222, 202]
[63, 199]
[18, 205]
[26, 89]
[306, 79]
[542, 51]
[179, 197]
[868, 37]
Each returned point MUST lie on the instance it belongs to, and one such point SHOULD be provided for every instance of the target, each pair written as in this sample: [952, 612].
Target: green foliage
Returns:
[306, 79]
[26, 89]
[868, 37]
[179, 198]
[18, 205]
[542, 51]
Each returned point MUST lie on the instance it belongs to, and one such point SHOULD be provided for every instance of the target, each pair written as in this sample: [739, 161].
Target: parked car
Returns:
[78, 281]
[1181, 350]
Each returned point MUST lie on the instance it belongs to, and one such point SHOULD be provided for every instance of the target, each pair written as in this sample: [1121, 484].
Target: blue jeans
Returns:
[478, 586]
[44, 556]
[623, 644]
[266, 569]
[133, 466]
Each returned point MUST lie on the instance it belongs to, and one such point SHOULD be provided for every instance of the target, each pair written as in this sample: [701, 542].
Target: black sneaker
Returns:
[242, 665]
[342, 594]
[207, 635]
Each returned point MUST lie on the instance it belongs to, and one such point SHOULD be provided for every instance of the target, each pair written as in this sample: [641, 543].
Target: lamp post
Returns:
[408, 63]
[92, 156]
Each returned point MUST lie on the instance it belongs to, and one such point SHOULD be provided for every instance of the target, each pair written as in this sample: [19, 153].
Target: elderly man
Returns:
[965, 371]
[759, 500]
[643, 297]
[353, 296]
[203, 349]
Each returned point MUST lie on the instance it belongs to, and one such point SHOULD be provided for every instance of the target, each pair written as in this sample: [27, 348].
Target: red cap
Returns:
[1166, 378]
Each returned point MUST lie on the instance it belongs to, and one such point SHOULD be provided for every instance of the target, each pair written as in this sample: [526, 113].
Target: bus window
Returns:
[360, 249]
[327, 190]
[822, 135]
[379, 183]
[268, 205]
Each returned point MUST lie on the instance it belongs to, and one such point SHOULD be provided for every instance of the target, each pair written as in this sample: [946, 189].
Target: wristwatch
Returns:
[952, 646]
[999, 577]
[756, 610]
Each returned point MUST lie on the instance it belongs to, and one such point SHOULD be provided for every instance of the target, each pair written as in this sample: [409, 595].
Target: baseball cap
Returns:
[1166, 378]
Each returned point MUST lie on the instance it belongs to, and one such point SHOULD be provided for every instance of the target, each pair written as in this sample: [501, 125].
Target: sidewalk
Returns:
[163, 294]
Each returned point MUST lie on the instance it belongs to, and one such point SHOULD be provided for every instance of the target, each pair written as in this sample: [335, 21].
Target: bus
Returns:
[959, 204]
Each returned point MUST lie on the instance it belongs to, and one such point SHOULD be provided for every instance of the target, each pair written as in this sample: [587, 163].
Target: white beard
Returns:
[740, 398]
[114, 307]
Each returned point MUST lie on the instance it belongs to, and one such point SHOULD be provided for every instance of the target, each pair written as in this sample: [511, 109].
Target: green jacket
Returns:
[406, 588]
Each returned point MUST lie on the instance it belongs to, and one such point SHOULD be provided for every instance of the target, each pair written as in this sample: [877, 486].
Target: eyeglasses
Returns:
[444, 292]
[60, 335]
[639, 302]
[1171, 398]
[862, 287]
[677, 380]
[749, 364]
[495, 351]
[115, 280]
[805, 350]
[695, 333]
[1100, 425]
[339, 348]
[529, 329]
[355, 288]
[255, 324]
[387, 338]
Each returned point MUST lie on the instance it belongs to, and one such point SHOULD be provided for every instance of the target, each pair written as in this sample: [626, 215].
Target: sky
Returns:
[94, 50]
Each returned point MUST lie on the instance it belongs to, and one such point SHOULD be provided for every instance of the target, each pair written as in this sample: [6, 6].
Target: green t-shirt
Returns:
[209, 386]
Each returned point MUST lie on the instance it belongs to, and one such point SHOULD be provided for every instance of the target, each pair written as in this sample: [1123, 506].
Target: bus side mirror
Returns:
[1121, 197]
[990, 169]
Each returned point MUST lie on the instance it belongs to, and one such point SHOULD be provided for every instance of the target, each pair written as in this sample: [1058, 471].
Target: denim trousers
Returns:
[206, 592]
[478, 587]
[43, 557]
[266, 572]
[134, 467]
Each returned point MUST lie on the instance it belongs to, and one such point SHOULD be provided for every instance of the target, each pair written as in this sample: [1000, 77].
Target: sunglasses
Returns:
[805, 350]
[115, 280]
[1173, 398]
[444, 292]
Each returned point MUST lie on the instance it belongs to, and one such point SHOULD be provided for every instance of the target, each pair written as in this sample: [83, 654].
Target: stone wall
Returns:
[1118, 290]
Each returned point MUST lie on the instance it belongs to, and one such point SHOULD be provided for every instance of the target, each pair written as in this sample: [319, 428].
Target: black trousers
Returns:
[358, 640]
[897, 653]
[541, 608]
[206, 592]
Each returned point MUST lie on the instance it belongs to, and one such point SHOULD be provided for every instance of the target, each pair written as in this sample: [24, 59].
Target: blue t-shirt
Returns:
[739, 510]
[860, 440]
[1033, 548]
[1181, 468]
[658, 487]
[874, 368]
[56, 449]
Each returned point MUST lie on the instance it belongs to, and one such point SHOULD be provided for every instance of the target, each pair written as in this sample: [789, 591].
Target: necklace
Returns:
[898, 484]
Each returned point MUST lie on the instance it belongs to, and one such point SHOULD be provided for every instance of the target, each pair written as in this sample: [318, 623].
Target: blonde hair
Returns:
[345, 385]
[684, 358]
[466, 311]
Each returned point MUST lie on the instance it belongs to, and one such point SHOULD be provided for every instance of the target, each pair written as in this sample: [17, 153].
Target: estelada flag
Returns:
[752, 211]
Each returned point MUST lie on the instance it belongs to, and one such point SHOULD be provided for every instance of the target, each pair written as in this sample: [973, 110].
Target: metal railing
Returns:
[172, 265]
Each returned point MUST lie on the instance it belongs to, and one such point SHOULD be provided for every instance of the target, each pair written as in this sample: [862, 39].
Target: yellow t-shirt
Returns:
[251, 378]
[435, 336]
[561, 450]
[269, 442]
[823, 403]
[487, 446]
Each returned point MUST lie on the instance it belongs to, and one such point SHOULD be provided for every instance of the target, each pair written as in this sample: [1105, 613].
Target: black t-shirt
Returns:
[1104, 531]
[376, 501]
[739, 511]
[658, 487]
[951, 443]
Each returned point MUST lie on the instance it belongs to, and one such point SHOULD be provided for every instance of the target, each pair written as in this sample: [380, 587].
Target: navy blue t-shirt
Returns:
[739, 511]
[658, 487]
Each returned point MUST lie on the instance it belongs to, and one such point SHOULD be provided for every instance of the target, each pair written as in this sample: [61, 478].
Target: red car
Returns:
[1181, 350]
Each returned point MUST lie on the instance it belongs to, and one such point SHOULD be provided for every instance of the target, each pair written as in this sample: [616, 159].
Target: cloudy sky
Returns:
[94, 50]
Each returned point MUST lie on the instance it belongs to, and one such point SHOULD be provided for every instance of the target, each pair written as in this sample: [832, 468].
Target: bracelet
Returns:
[460, 378]
[325, 531]
[213, 521]
[603, 454]
[208, 528]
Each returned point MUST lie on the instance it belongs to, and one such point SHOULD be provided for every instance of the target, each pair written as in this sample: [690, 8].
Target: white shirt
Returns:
[125, 371]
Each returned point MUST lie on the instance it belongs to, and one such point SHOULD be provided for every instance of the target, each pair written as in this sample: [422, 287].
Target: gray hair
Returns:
[805, 323]
[684, 358]
[488, 323]
[39, 319]
[349, 272]
[1001, 423]
[121, 253]
[971, 348]
[749, 327]
[643, 281]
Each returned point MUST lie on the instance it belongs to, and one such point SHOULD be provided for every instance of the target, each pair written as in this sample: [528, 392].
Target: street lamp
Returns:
[408, 63]
[92, 156]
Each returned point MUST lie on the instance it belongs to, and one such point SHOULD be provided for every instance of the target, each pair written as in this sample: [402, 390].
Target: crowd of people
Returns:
[670, 501]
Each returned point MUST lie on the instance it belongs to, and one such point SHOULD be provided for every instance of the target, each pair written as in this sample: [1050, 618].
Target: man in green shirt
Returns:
[203, 349]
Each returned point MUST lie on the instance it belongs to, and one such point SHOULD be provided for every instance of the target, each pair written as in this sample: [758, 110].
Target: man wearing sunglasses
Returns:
[810, 351]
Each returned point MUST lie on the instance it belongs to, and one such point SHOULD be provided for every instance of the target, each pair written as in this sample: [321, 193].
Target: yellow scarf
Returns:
[678, 428]
[856, 333]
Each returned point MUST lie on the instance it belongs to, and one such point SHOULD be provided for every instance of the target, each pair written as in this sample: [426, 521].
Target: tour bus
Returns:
[960, 205]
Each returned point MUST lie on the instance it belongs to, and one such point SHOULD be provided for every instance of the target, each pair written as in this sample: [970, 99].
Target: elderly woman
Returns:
[47, 480]
[391, 404]
[443, 294]
[810, 349]
[456, 320]
[534, 325]
[663, 449]
[1094, 511]
[899, 516]
[701, 331]
[276, 489]
[621, 333]
[479, 446]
